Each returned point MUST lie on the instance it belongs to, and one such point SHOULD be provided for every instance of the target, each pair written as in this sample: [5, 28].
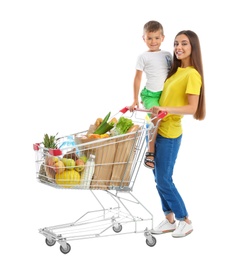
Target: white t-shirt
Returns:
[156, 66]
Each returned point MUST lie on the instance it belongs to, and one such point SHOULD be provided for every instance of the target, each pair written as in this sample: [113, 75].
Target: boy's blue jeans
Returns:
[166, 151]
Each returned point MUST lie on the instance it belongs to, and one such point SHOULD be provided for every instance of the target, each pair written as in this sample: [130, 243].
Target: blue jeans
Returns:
[166, 150]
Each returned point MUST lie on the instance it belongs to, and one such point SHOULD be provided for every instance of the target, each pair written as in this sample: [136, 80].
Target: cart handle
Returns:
[36, 146]
[160, 115]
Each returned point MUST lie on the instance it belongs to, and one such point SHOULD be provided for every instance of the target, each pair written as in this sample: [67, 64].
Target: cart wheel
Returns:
[50, 242]
[152, 242]
[65, 251]
[117, 228]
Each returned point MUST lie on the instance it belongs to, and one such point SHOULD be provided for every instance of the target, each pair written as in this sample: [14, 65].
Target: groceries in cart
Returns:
[112, 146]
[106, 157]
[104, 128]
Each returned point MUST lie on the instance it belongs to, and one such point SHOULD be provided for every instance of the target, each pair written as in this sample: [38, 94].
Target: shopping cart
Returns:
[117, 163]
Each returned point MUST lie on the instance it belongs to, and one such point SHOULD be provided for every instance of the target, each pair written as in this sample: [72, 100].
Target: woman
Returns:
[183, 94]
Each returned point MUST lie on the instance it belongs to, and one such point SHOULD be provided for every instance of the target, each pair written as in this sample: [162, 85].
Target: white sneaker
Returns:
[183, 229]
[164, 227]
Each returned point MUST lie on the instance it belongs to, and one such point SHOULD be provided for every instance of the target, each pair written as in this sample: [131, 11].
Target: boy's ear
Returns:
[143, 38]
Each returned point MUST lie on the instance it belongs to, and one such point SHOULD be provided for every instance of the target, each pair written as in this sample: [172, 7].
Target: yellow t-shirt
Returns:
[184, 81]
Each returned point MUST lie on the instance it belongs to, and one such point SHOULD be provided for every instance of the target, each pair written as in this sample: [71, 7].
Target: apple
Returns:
[52, 160]
[83, 158]
[79, 165]
[68, 162]
[59, 167]
[49, 167]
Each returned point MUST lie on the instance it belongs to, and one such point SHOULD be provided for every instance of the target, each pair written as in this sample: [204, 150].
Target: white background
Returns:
[65, 63]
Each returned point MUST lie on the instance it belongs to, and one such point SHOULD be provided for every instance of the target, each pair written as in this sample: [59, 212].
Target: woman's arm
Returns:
[189, 109]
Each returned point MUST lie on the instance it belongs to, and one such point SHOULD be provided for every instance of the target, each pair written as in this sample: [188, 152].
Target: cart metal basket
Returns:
[117, 163]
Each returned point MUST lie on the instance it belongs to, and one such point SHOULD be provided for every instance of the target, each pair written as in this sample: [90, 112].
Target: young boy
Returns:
[155, 63]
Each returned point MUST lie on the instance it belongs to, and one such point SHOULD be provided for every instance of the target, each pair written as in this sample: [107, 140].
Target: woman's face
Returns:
[182, 48]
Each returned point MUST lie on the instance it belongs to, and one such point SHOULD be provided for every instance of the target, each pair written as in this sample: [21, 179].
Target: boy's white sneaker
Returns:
[164, 227]
[183, 229]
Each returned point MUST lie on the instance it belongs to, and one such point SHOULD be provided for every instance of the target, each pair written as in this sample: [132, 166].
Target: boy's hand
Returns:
[133, 106]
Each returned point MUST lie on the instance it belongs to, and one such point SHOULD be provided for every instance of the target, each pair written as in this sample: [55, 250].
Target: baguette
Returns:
[133, 128]
[113, 120]
[98, 121]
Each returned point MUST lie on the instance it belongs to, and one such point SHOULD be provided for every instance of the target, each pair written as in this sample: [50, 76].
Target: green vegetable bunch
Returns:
[104, 126]
[122, 126]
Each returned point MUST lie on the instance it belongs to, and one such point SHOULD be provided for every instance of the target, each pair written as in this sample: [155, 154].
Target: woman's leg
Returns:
[165, 158]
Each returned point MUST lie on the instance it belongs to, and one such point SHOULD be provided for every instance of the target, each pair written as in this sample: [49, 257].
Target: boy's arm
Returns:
[137, 84]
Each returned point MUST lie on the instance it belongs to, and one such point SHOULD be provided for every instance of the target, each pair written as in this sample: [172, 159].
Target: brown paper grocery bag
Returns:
[123, 161]
[104, 151]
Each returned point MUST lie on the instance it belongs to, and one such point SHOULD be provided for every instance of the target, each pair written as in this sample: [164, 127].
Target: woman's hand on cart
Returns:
[154, 110]
[158, 112]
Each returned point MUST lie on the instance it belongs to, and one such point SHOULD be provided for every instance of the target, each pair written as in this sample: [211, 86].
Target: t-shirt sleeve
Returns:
[140, 63]
[194, 83]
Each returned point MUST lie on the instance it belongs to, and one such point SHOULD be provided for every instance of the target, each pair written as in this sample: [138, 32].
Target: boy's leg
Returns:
[149, 100]
[150, 155]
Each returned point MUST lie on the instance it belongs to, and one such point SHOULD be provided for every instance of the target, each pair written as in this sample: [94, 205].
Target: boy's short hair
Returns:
[152, 26]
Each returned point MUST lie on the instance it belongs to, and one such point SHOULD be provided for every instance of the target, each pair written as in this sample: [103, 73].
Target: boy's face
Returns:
[153, 40]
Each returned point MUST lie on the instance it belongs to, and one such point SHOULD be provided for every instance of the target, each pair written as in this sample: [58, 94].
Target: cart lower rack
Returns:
[117, 163]
[101, 223]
